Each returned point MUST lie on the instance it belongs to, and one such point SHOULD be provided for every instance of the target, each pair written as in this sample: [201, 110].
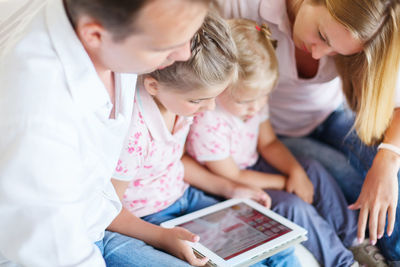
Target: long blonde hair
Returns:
[369, 77]
[258, 65]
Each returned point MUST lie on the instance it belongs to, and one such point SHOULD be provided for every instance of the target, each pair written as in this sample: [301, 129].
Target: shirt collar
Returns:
[274, 11]
[84, 84]
[153, 119]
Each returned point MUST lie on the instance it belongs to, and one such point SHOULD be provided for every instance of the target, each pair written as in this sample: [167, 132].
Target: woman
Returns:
[361, 37]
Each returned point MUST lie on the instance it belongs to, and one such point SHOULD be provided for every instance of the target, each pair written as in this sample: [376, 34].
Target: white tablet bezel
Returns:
[296, 232]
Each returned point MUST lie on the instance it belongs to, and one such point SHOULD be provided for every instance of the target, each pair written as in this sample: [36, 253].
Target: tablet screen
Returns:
[235, 230]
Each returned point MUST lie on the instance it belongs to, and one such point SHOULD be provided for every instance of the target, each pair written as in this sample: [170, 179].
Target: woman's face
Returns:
[316, 32]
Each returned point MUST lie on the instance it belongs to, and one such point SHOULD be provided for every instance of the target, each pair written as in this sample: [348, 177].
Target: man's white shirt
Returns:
[58, 147]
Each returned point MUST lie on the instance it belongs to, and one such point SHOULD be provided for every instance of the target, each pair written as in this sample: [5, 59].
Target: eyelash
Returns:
[195, 101]
[321, 37]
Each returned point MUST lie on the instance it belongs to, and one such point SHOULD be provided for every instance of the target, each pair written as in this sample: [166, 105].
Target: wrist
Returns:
[159, 236]
[229, 189]
[295, 169]
[388, 159]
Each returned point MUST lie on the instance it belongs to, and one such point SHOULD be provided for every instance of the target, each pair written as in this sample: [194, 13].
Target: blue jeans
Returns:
[191, 200]
[194, 199]
[120, 250]
[336, 146]
[331, 226]
[123, 251]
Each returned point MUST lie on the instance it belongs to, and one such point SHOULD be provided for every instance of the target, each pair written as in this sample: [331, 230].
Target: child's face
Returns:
[243, 103]
[184, 103]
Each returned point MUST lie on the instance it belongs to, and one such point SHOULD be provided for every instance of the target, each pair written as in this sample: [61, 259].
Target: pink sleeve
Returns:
[209, 137]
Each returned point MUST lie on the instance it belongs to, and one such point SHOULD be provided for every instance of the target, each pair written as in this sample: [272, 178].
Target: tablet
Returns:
[239, 232]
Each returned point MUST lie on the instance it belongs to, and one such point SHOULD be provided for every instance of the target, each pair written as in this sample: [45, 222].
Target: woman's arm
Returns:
[170, 240]
[278, 156]
[379, 193]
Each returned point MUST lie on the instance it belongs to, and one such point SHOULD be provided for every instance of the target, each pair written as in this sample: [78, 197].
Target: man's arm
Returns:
[42, 197]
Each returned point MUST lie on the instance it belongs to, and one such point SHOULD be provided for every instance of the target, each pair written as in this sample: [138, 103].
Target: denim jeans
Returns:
[331, 226]
[336, 146]
[123, 251]
[191, 200]
[194, 199]
[120, 250]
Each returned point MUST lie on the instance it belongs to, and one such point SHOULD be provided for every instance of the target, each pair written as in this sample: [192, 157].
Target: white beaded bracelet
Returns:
[390, 147]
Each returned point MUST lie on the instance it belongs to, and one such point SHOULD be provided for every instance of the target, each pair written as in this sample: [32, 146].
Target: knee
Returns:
[292, 207]
[309, 164]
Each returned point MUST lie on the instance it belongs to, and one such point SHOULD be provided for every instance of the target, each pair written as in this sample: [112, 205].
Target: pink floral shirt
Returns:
[151, 159]
[217, 135]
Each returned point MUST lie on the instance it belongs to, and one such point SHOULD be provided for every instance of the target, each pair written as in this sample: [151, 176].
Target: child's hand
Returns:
[243, 191]
[174, 242]
[299, 184]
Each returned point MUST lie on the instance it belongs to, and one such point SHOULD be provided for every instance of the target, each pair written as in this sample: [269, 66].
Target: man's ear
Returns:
[151, 85]
[90, 32]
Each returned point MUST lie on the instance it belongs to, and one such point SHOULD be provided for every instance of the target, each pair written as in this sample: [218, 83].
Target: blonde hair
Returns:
[369, 77]
[258, 65]
[213, 59]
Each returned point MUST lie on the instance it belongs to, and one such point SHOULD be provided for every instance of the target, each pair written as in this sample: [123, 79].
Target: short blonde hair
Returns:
[213, 59]
[369, 77]
[258, 65]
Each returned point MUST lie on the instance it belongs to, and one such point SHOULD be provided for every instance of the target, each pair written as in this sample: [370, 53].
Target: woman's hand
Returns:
[174, 242]
[244, 191]
[378, 197]
[299, 184]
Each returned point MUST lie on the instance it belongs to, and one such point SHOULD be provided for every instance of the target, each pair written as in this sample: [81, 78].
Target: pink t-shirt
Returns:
[217, 135]
[151, 159]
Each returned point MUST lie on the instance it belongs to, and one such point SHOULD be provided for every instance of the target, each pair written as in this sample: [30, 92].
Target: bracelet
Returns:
[390, 147]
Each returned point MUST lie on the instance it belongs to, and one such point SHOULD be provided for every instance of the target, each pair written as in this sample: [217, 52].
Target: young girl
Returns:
[237, 141]
[151, 160]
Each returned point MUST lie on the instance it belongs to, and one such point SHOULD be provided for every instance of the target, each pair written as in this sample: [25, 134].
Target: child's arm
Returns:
[278, 156]
[229, 169]
[171, 240]
[198, 176]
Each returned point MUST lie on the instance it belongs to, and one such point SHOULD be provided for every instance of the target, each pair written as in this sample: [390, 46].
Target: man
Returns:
[64, 110]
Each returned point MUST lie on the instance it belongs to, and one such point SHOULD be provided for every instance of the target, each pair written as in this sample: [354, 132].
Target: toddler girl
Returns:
[237, 141]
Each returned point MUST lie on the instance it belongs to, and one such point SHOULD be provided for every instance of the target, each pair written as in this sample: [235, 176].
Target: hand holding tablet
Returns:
[239, 232]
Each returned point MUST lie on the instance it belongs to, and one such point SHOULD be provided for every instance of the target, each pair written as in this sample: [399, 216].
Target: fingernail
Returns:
[390, 233]
[373, 242]
[359, 240]
[380, 236]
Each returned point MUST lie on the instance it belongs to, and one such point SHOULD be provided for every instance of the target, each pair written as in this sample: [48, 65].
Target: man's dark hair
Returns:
[117, 16]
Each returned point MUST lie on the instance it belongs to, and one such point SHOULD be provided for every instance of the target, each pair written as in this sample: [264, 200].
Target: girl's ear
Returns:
[151, 85]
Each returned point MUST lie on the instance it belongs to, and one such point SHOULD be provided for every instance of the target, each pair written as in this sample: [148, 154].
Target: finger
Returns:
[268, 202]
[381, 223]
[373, 224]
[310, 199]
[289, 188]
[184, 234]
[355, 206]
[391, 219]
[197, 261]
[362, 223]
[191, 258]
